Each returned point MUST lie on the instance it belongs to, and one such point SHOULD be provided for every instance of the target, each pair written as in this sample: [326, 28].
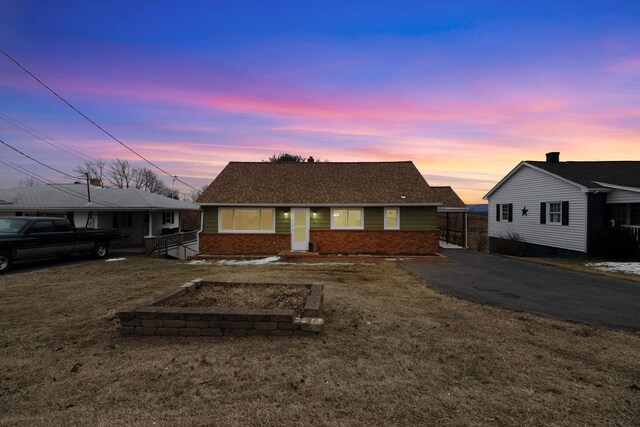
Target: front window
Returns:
[505, 212]
[168, 217]
[347, 219]
[247, 220]
[391, 218]
[555, 213]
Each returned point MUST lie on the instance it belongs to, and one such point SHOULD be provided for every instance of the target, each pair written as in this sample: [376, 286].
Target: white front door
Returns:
[300, 229]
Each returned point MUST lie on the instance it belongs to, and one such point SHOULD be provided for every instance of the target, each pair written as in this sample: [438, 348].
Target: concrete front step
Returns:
[298, 254]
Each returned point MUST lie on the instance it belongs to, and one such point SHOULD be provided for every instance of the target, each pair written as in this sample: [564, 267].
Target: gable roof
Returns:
[586, 175]
[589, 174]
[448, 197]
[319, 183]
[74, 197]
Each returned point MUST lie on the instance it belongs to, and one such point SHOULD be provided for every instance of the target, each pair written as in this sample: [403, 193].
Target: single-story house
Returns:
[325, 207]
[557, 208]
[136, 213]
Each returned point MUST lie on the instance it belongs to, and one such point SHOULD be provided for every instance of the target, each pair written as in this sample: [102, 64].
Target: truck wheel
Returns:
[100, 250]
[6, 261]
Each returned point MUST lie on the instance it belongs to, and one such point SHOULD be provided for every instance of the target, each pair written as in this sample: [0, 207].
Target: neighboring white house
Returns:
[557, 207]
[136, 213]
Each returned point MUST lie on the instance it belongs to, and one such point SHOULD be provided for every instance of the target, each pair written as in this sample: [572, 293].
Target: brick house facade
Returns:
[332, 208]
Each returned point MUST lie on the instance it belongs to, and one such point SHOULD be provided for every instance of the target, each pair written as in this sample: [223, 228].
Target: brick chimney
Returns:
[553, 157]
[310, 159]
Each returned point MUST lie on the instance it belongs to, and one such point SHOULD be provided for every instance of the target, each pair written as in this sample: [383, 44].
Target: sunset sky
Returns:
[464, 89]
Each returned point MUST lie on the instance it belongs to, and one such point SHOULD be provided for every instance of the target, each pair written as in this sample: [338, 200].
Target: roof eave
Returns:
[524, 163]
[320, 204]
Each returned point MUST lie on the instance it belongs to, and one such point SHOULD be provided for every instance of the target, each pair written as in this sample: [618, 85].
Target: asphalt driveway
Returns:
[526, 286]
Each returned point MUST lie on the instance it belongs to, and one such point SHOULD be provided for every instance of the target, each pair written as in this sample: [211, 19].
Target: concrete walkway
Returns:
[526, 286]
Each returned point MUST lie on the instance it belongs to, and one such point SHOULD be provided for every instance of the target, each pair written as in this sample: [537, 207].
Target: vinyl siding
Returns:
[322, 220]
[418, 218]
[283, 223]
[528, 188]
[210, 224]
[623, 196]
[374, 218]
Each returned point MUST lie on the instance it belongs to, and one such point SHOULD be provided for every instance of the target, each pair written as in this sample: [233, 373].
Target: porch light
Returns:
[315, 214]
[286, 214]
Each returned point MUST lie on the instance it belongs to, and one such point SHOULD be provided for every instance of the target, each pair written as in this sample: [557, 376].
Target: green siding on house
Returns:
[411, 218]
[374, 218]
[210, 221]
[418, 218]
[322, 218]
[283, 222]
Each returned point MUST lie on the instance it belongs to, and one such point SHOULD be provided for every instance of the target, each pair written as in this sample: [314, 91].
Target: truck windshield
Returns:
[12, 225]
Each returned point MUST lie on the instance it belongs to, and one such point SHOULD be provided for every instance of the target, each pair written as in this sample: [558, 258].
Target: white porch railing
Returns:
[635, 229]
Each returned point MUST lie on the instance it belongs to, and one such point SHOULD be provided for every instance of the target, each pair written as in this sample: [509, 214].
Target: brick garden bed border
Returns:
[153, 318]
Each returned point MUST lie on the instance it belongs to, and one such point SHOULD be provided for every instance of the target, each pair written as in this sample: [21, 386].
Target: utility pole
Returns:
[173, 183]
[88, 188]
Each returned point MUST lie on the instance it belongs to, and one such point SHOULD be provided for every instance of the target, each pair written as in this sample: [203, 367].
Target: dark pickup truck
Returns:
[36, 237]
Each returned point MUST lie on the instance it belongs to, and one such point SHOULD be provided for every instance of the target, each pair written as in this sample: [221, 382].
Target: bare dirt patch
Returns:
[244, 295]
[394, 352]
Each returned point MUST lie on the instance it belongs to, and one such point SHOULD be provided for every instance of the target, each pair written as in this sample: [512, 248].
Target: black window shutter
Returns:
[565, 213]
[510, 212]
[498, 212]
[543, 213]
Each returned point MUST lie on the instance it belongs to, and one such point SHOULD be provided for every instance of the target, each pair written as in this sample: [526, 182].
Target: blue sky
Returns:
[464, 89]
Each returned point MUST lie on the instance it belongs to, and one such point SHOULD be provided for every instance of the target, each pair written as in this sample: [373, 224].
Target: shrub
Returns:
[616, 242]
[510, 243]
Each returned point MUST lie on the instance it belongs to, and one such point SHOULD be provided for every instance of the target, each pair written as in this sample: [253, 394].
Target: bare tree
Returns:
[120, 174]
[193, 196]
[94, 170]
[286, 158]
[28, 182]
[123, 174]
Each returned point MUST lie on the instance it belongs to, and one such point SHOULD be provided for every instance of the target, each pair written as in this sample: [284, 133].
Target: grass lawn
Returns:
[394, 352]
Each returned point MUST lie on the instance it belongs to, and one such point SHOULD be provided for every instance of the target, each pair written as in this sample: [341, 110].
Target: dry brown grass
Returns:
[394, 351]
[578, 264]
[243, 295]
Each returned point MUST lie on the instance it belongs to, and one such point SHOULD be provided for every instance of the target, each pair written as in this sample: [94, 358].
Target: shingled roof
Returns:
[320, 183]
[448, 197]
[588, 174]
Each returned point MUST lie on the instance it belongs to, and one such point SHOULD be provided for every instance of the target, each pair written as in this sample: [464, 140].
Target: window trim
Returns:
[549, 221]
[504, 212]
[347, 227]
[384, 214]
[273, 221]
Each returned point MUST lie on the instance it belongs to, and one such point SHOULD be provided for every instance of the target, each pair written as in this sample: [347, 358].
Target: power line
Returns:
[29, 130]
[38, 161]
[92, 122]
[52, 184]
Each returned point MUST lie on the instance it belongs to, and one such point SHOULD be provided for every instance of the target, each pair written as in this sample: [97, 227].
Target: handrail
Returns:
[160, 244]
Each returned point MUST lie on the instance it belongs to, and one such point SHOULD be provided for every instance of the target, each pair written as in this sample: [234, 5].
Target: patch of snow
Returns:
[261, 261]
[446, 245]
[624, 267]
[114, 259]
[336, 264]
[199, 262]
